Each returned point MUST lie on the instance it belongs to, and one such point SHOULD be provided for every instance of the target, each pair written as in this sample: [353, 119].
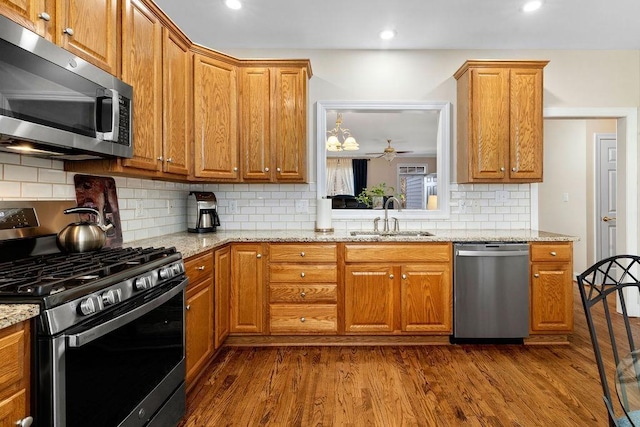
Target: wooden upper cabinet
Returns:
[290, 122]
[89, 29]
[142, 69]
[500, 121]
[177, 87]
[255, 130]
[31, 14]
[215, 118]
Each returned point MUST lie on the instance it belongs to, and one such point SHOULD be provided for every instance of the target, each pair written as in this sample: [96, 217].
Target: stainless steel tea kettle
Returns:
[83, 236]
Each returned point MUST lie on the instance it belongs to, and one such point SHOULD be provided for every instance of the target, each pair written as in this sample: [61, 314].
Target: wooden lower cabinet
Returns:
[199, 315]
[551, 281]
[222, 298]
[385, 293]
[247, 288]
[15, 374]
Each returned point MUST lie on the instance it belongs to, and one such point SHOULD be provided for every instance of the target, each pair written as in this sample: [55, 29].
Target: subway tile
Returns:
[32, 190]
[9, 190]
[10, 158]
[36, 162]
[63, 191]
[20, 173]
[51, 176]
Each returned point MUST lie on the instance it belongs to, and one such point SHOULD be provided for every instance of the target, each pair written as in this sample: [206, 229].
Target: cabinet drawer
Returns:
[303, 318]
[303, 253]
[551, 252]
[303, 273]
[12, 354]
[199, 267]
[302, 293]
[401, 252]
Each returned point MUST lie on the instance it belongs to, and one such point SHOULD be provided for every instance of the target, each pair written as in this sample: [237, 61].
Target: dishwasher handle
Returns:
[491, 253]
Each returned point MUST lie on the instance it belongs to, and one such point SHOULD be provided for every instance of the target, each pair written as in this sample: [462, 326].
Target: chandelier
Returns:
[333, 141]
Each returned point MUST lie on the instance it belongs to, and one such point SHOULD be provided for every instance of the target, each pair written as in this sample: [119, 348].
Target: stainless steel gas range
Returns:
[109, 343]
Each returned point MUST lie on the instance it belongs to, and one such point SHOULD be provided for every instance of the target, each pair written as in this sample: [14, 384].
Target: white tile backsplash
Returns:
[260, 206]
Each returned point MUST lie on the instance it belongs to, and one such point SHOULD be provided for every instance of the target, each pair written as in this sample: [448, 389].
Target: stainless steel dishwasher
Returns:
[491, 291]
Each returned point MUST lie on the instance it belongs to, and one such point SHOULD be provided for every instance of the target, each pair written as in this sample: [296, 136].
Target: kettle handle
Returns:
[82, 209]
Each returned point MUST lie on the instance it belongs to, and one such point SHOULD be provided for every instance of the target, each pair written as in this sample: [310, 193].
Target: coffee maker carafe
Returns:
[202, 212]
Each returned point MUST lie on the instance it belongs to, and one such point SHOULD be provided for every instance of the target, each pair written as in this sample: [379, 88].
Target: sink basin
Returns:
[407, 233]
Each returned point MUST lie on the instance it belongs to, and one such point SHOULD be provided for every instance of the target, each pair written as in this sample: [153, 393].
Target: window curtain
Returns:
[339, 177]
[359, 175]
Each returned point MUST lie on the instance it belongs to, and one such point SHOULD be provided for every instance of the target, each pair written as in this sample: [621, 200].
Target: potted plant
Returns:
[373, 197]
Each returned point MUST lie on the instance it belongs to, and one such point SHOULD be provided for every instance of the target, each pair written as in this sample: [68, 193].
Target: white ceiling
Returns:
[420, 24]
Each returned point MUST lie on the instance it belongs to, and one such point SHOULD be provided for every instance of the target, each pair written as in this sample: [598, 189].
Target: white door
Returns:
[606, 209]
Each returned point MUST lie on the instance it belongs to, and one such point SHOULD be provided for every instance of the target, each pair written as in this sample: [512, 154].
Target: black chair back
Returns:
[599, 286]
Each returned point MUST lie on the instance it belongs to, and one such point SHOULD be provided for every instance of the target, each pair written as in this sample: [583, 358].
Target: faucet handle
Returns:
[396, 224]
[375, 223]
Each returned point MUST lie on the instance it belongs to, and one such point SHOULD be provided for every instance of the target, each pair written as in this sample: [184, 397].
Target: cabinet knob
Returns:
[200, 267]
[68, 31]
[44, 16]
[513, 169]
[302, 319]
[302, 274]
[404, 276]
[25, 422]
[170, 159]
[302, 254]
[266, 169]
[235, 169]
[259, 256]
[536, 275]
[552, 253]
[391, 276]
[501, 169]
[303, 294]
[161, 158]
[188, 307]
[277, 169]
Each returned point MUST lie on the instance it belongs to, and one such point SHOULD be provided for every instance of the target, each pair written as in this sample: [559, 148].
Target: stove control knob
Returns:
[90, 305]
[177, 269]
[142, 283]
[166, 273]
[112, 296]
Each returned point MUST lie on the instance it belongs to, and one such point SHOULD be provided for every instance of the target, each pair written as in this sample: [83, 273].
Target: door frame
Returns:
[627, 175]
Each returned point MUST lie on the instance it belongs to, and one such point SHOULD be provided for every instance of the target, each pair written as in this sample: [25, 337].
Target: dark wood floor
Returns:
[446, 385]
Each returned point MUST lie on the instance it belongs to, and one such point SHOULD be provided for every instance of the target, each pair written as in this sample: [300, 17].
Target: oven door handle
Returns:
[82, 338]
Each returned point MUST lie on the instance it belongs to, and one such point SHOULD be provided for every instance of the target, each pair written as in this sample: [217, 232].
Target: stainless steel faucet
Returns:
[386, 213]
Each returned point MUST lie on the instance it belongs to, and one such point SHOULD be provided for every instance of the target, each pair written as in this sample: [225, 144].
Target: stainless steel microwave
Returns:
[55, 104]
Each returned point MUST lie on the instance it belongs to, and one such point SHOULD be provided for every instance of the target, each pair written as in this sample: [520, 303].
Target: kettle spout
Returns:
[106, 227]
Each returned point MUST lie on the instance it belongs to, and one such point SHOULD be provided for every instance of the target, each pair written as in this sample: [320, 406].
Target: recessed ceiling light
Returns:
[530, 6]
[387, 34]
[233, 4]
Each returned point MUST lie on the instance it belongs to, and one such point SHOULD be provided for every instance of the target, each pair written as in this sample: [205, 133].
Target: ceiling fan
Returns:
[389, 152]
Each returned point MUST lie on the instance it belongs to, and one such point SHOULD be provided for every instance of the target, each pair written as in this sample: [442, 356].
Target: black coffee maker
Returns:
[202, 214]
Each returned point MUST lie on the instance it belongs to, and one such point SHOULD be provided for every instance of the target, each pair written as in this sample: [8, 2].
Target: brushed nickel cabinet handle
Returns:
[201, 267]
[303, 294]
[259, 256]
[553, 253]
[302, 319]
[161, 158]
[391, 276]
[68, 31]
[188, 307]
[404, 276]
[302, 254]
[513, 169]
[266, 169]
[536, 275]
[25, 422]
[44, 16]
[501, 169]
[277, 169]
[302, 274]
[170, 160]
[235, 169]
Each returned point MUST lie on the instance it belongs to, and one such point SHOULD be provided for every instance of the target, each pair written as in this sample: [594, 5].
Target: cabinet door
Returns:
[215, 120]
[222, 294]
[142, 69]
[88, 28]
[290, 123]
[199, 327]
[28, 13]
[426, 298]
[489, 123]
[13, 408]
[551, 297]
[177, 89]
[525, 150]
[368, 298]
[255, 129]
[247, 289]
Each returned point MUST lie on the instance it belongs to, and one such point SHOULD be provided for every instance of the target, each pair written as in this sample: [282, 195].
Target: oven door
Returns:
[119, 368]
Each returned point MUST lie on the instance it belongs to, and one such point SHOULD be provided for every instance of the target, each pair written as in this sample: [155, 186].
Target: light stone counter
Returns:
[190, 244]
[11, 314]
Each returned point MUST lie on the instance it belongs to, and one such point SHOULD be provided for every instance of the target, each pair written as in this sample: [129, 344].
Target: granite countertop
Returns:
[11, 314]
[190, 244]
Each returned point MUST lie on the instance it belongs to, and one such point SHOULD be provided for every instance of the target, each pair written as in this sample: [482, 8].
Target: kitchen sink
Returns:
[405, 233]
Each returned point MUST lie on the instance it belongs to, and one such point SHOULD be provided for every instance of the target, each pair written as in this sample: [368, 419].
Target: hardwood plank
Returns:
[415, 385]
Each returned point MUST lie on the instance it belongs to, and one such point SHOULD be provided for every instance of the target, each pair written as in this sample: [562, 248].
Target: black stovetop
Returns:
[37, 277]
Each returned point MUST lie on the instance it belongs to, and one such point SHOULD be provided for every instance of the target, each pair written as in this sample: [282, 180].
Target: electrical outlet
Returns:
[302, 206]
[565, 197]
[233, 206]
[461, 206]
[139, 209]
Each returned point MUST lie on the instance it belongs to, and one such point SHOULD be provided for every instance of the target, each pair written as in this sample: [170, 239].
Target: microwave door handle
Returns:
[111, 135]
[85, 337]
